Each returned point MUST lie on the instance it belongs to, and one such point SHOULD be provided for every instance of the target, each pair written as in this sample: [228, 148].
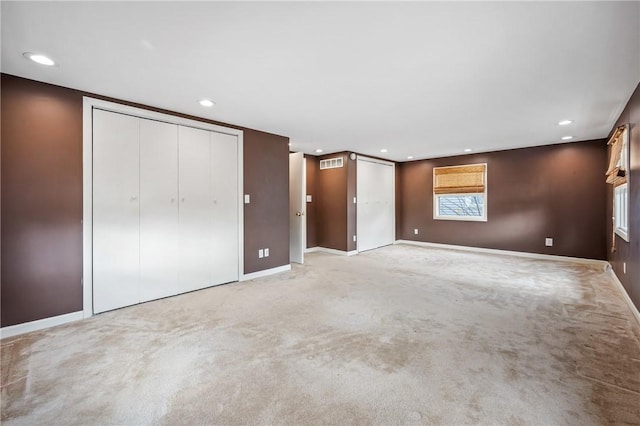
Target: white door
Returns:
[116, 207]
[297, 204]
[224, 199]
[158, 209]
[375, 219]
[195, 209]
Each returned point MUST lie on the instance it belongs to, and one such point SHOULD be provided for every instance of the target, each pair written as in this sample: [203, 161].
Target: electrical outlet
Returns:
[260, 254]
[548, 242]
[266, 252]
[415, 231]
[624, 268]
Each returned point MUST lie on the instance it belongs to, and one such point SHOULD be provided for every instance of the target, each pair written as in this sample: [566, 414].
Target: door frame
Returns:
[303, 236]
[386, 163]
[88, 104]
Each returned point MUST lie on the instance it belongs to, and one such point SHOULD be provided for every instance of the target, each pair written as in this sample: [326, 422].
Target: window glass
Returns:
[461, 205]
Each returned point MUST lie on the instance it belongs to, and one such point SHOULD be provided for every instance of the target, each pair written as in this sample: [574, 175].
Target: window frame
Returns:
[623, 163]
[621, 229]
[436, 200]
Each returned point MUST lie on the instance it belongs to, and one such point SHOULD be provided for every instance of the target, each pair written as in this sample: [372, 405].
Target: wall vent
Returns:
[331, 163]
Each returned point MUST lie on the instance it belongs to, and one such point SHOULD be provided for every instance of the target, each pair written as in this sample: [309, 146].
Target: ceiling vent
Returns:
[331, 163]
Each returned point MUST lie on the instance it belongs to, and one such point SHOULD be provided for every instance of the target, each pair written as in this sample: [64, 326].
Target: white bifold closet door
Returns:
[375, 218]
[158, 209]
[196, 221]
[165, 209]
[224, 191]
[116, 210]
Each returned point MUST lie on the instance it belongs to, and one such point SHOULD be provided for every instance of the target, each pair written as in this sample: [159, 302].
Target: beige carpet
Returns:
[399, 335]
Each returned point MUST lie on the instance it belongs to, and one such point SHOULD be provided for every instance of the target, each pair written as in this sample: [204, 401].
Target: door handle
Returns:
[300, 213]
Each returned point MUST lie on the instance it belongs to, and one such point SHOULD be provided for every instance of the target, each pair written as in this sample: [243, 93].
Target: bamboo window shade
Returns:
[616, 172]
[469, 179]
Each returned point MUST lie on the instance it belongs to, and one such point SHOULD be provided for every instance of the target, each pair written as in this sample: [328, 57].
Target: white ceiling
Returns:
[422, 79]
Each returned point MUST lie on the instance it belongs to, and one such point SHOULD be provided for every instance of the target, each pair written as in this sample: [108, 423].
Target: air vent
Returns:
[331, 163]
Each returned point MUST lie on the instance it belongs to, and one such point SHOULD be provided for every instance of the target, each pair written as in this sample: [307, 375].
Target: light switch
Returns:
[354, 200]
[247, 198]
[308, 198]
[415, 231]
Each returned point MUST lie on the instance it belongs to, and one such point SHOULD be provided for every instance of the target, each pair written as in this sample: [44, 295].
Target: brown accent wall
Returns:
[332, 205]
[41, 201]
[628, 252]
[266, 218]
[42, 198]
[313, 167]
[553, 191]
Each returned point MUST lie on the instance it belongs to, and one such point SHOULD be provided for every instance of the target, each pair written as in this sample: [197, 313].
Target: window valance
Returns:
[616, 172]
[467, 179]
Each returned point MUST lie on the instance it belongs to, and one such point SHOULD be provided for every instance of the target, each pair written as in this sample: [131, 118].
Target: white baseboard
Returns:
[332, 251]
[266, 272]
[602, 263]
[625, 295]
[27, 327]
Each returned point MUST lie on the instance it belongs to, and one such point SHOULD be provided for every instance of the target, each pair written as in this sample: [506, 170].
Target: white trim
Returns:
[265, 272]
[87, 207]
[621, 232]
[88, 104]
[436, 200]
[540, 256]
[331, 251]
[240, 136]
[304, 204]
[633, 308]
[27, 327]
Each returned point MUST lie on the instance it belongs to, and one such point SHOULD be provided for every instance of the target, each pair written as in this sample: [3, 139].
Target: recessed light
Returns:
[410, 157]
[38, 58]
[318, 151]
[564, 122]
[207, 103]
[467, 150]
[566, 138]
[383, 150]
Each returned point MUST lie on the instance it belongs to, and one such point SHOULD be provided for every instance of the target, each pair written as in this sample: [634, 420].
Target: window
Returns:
[460, 192]
[617, 176]
[621, 205]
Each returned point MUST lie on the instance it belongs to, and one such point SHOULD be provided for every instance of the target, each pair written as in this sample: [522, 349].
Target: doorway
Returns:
[297, 205]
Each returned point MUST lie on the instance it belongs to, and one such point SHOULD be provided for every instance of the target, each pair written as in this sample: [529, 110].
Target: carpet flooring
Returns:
[398, 335]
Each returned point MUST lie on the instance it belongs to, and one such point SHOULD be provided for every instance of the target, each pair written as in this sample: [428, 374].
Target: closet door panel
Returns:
[195, 209]
[375, 208]
[115, 210]
[158, 209]
[224, 192]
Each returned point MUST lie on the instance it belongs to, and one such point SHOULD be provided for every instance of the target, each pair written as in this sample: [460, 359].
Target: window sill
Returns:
[622, 234]
[463, 219]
